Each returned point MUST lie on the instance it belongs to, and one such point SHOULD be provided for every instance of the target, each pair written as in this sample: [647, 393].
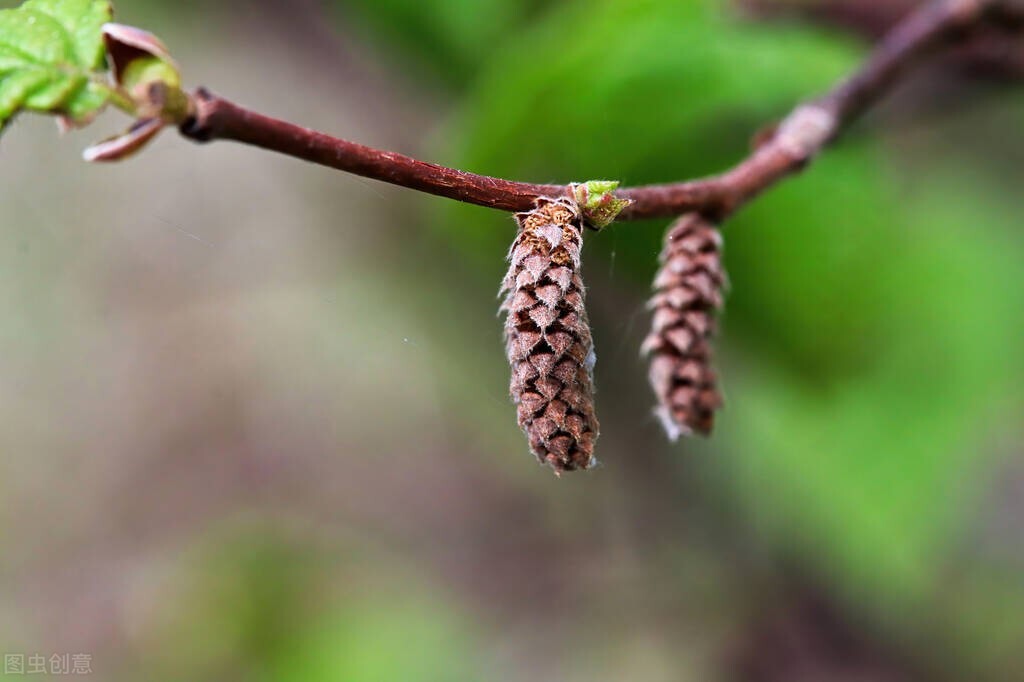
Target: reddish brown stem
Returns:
[218, 119]
[804, 133]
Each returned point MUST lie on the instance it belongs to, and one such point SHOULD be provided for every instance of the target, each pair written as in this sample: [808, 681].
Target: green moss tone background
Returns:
[254, 419]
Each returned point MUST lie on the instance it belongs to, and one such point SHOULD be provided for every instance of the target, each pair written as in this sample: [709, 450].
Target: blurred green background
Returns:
[253, 413]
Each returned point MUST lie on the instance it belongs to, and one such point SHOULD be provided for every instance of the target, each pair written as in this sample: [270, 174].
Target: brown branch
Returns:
[793, 144]
[992, 54]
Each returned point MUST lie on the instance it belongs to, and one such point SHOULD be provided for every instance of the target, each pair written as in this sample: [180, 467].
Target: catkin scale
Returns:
[688, 293]
[547, 336]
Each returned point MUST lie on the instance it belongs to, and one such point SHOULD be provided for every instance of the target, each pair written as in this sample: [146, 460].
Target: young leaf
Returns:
[50, 52]
[146, 74]
[598, 201]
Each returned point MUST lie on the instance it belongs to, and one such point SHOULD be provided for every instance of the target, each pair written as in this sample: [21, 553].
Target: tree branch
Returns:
[791, 146]
[992, 54]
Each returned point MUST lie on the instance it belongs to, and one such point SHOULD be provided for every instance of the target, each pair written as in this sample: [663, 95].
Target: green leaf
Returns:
[50, 52]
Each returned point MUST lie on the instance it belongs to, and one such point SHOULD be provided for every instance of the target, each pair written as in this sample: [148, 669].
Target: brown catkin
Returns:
[688, 293]
[547, 336]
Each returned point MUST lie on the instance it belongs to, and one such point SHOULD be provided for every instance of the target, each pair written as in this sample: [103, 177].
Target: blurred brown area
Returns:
[806, 637]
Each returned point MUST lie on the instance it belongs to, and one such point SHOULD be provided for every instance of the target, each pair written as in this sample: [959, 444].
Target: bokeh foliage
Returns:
[875, 315]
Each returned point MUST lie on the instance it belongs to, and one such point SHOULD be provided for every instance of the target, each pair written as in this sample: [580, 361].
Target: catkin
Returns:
[547, 336]
[688, 293]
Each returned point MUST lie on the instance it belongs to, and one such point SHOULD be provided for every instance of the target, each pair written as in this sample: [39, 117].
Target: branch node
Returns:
[197, 126]
[806, 131]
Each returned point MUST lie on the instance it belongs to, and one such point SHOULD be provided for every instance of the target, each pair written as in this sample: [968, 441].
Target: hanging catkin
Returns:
[547, 336]
[688, 293]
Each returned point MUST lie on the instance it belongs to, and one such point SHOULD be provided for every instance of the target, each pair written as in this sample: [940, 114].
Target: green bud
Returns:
[598, 202]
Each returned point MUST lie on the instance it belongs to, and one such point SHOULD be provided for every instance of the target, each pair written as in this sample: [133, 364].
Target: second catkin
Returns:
[688, 294]
[547, 336]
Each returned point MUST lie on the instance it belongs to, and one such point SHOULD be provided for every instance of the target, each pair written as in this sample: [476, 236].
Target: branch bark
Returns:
[791, 146]
[992, 54]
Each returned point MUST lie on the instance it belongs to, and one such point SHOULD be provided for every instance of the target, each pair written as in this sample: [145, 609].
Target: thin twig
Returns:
[992, 54]
[795, 142]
